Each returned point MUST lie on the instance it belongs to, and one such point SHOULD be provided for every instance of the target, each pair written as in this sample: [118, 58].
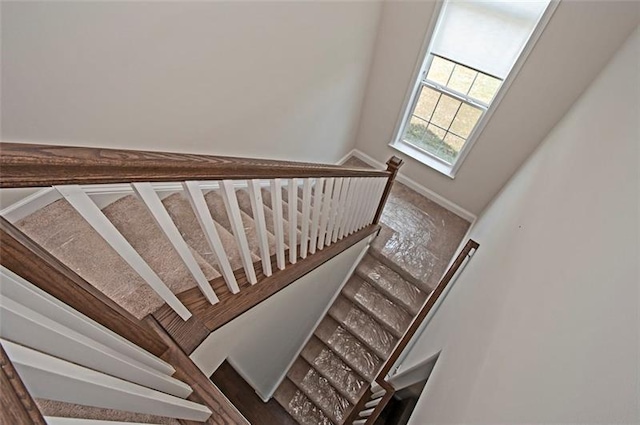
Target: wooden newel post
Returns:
[393, 165]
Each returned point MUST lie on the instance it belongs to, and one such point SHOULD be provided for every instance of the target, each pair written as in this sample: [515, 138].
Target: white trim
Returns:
[267, 397]
[30, 204]
[344, 159]
[54, 379]
[417, 187]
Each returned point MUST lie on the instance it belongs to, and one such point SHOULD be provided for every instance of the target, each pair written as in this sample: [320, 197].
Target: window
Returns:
[470, 58]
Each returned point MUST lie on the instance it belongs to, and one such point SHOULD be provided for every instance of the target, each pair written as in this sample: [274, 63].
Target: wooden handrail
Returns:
[17, 404]
[33, 165]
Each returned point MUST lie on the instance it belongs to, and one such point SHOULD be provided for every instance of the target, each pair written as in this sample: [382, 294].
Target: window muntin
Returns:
[452, 99]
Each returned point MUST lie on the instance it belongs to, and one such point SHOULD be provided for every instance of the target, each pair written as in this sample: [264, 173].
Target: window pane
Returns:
[461, 79]
[454, 145]
[445, 111]
[415, 131]
[433, 139]
[440, 70]
[484, 88]
[426, 102]
[465, 120]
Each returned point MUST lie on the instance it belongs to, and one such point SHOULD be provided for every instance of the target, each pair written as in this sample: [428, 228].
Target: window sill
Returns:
[424, 158]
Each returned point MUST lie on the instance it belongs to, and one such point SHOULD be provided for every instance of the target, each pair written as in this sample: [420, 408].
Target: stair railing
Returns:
[380, 392]
[337, 202]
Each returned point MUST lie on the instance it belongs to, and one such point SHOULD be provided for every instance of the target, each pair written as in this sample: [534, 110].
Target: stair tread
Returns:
[353, 352]
[219, 214]
[329, 365]
[185, 219]
[61, 409]
[364, 295]
[130, 216]
[63, 232]
[392, 284]
[363, 326]
[319, 390]
[298, 405]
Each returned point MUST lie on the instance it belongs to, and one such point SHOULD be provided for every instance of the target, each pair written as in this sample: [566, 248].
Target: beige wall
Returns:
[261, 79]
[579, 40]
[542, 327]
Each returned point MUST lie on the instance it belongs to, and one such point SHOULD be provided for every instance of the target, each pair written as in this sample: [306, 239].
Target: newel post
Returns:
[393, 165]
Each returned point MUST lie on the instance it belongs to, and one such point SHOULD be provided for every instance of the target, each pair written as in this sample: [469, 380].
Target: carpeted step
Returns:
[185, 219]
[132, 219]
[395, 319]
[406, 257]
[353, 352]
[391, 284]
[219, 214]
[61, 409]
[319, 390]
[63, 232]
[330, 366]
[299, 406]
[363, 326]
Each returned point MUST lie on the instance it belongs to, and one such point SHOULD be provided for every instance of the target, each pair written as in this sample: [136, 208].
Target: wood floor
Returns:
[247, 401]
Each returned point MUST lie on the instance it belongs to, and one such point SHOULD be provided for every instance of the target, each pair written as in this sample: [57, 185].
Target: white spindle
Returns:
[235, 218]
[342, 206]
[32, 297]
[306, 217]
[326, 210]
[348, 207]
[361, 197]
[333, 215]
[81, 202]
[293, 218]
[52, 378]
[315, 216]
[57, 420]
[366, 413]
[154, 205]
[257, 206]
[201, 210]
[353, 207]
[27, 327]
[364, 204]
[379, 190]
[278, 224]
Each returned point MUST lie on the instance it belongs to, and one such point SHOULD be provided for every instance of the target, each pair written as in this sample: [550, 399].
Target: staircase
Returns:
[150, 267]
[373, 311]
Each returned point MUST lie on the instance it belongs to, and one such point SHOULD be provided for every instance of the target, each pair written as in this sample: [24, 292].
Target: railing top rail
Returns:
[32, 165]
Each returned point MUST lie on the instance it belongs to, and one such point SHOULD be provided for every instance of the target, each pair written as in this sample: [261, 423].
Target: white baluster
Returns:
[81, 202]
[342, 206]
[306, 217]
[257, 206]
[326, 210]
[348, 207]
[315, 216]
[333, 215]
[235, 218]
[201, 210]
[355, 204]
[365, 204]
[381, 183]
[278, 224]
[154, 205]
[293, 218]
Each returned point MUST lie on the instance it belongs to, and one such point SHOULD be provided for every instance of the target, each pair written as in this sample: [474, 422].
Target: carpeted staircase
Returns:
[373, 310]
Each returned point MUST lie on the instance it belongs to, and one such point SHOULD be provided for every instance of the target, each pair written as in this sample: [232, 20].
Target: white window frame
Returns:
[419, 77]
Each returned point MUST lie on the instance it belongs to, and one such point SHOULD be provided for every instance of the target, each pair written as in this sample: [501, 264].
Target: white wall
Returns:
[578, 42]
[282, 80]
[262, 342]
[543, 326]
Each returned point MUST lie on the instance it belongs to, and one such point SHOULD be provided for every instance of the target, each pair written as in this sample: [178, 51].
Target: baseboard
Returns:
[344, 159]
[412, 184]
